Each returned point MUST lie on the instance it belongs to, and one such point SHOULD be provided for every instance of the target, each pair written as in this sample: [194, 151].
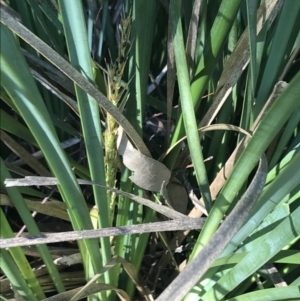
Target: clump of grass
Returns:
[237, 52]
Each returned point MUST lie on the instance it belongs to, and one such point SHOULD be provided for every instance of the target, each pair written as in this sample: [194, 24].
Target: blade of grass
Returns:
[188, 114]
[51, 207]
[76, 38]
[32, 227]
[271, 123]
[12, 272]
[247, 114]
[11, 125]
[251, 16]
[287, 134]
[282, 45]
[51, 14]
[16, 128]
[262, 251]
[220, 29]
[263, 229]
[138, 69]
[142, 35]
[73, 74]
[267, 129]
[238, 61]
[213, 46]
[290, 293]
[184, 282]
[284, 256]
[109, 33]
[20, 86]
[44, 31]
[20, 260]
[23, 154]
[91, 16]
[277, 168]
[271, 197]
[270, 222]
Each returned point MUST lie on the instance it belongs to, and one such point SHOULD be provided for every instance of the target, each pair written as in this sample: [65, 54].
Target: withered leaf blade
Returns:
[178, 197]
[148, 174]
[46, 181]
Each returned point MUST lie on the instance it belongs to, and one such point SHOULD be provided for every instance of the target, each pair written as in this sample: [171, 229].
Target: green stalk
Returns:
[212, 50]
[139, 62]
[20, 86]
[21, 261]
[187, 107]
[33, 229]
[271, 123]
[283, 41]
[17, 281]
[76, 38]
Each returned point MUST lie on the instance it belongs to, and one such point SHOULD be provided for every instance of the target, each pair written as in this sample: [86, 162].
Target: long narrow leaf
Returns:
[189, 118]
[32, 227]
[262, 251]
[23, 91]
[76, 37]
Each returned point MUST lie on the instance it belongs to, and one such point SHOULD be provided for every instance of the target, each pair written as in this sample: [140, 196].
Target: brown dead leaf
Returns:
[148, 174]
[178, 197]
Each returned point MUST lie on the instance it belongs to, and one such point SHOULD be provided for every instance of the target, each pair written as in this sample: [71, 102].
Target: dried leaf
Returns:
[48, 181]
[178, 197]
[148, 174]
